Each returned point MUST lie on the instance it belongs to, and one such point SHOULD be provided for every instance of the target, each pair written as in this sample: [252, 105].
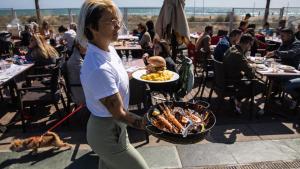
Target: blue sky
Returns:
[25, 4]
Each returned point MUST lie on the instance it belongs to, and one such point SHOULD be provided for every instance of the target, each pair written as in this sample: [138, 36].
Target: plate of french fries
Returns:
[164, 76]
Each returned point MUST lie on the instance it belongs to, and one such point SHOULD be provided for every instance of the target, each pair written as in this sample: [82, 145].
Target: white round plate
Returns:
[286, 67]
[138, 74]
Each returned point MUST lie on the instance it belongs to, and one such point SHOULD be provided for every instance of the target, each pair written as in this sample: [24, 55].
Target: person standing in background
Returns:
[145, 40]
[243, 26]
[150, 26]
[26, 36]
[297, 34]
[247, 17]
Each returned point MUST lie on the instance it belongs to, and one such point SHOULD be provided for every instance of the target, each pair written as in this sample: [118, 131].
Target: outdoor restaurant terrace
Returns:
[250, 121]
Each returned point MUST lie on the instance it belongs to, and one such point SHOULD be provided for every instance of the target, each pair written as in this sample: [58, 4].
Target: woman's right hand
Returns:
[144, 121]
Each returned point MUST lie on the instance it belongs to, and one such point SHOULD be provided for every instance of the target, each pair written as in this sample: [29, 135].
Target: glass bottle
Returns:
[124, 58]
[129, 57]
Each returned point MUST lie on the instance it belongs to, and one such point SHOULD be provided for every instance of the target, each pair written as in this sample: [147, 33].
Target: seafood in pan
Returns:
[179, 120]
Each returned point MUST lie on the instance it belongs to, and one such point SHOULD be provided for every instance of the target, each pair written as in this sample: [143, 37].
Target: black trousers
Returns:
[245, 89]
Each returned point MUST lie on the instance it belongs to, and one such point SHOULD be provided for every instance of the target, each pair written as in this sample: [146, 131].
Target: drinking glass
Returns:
[2, 66]
[257, 55]
[248, 54]
[274, 67]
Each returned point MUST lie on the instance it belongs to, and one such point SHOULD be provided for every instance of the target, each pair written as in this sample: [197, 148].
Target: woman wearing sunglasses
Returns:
[106, 87]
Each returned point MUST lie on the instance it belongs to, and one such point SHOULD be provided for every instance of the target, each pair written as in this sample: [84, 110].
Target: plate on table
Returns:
[286, 68]
[257, 60]
[261, 67]
[115, 44]
[9, 60]
[142, 72]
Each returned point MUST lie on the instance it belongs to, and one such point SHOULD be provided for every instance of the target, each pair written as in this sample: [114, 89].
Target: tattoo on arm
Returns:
[110, 101]
[114, 104]
[135, 121]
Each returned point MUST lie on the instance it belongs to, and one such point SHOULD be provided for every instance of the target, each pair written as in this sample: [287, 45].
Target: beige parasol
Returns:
[172, 17]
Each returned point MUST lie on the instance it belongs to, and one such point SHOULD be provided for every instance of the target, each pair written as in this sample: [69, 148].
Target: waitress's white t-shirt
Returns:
[103, 74]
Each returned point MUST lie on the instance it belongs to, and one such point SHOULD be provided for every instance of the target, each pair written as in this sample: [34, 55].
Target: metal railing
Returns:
[225, 16]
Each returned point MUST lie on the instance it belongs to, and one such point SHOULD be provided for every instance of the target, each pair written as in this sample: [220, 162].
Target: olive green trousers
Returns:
[109, 139]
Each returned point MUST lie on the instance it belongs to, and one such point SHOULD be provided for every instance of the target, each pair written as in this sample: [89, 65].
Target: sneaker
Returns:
[261, 112]
[293, 105]
[278, 102]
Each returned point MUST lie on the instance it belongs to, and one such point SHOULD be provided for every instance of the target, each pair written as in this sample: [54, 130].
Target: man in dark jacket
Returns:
[236, 68]
[226, 42]
[289, 51]
[235, 61]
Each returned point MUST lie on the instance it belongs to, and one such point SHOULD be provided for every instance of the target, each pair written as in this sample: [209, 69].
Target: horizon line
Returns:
[150, 7]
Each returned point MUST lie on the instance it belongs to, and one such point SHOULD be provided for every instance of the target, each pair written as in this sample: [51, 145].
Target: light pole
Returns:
[253, 8]
[287, 10]
[203, 8]
[194, 8]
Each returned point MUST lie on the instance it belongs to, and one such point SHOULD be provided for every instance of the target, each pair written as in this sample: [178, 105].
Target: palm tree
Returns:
[267, 11]
[38, 13]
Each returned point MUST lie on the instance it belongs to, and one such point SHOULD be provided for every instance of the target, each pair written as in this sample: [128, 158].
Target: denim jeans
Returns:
[292, 85]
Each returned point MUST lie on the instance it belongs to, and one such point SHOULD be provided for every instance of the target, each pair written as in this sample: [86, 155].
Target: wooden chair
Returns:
[206, 66]
[67, 86]
[40, 95]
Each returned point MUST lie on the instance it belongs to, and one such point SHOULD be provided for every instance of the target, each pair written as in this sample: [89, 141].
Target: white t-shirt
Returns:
[69, 37]
[102, 75]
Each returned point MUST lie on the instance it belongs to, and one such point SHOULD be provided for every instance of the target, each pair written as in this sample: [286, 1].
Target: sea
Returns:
[154, 11]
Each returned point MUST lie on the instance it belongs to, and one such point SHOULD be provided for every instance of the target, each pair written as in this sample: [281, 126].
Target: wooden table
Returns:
[194, 35]
[12, 72]
[274, 40]
[271, 77]
[7, 77]
[128, 47]
[279, 73]
[128, 37]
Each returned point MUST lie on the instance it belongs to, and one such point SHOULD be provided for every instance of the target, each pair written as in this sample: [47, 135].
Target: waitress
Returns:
[106, 88]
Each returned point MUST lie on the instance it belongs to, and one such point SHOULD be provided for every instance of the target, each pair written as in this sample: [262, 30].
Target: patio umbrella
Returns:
[172, 18]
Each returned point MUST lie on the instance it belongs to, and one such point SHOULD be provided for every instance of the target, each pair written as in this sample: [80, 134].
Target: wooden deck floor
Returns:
[225, 113]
